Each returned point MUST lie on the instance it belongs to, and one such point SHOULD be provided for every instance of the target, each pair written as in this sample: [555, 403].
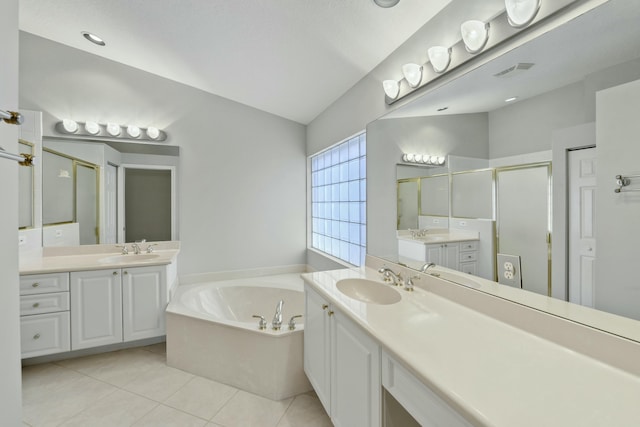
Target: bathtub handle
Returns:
[262, 323]
[292, 321]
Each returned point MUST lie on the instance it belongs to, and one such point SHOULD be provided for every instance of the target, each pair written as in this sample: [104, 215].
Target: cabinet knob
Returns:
[330, 312]
[36, 305]
[36, 336]
[126, 272]
[35, 285]
[115, 273]
[325, 306]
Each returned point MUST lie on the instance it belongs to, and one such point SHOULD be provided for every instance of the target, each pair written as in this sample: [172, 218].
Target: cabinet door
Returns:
[451, 255]
[96, 308]
[355, 375]
[316, 345]
[144, 299]
[434, 254]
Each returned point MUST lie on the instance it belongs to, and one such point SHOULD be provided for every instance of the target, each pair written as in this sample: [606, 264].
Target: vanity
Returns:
[76, 298]
[447, 354]
[457, 250]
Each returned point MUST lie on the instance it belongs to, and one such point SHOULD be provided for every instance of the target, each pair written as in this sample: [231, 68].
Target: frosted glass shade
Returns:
[391, 88]
[92, 128]
[113, 129]
[70, 126]
[133, 131]
[521, 12]
[412, 73]
[474, 35]
[440, 57]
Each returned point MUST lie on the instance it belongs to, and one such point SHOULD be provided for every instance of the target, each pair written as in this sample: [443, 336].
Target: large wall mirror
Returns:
[502, 153]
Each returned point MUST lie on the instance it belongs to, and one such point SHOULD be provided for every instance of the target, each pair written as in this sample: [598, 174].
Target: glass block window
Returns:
[338, 200]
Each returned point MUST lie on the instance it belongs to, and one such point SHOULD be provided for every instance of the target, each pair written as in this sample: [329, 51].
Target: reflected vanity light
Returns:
[520, 13]
[391, 88]
[475, 35]
[424, 159]
[412, 73]
[93, 130]
[440, 57]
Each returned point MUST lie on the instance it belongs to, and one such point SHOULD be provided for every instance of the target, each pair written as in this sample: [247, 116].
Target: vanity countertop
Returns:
[444, 237]
[95, 257]
[491, 372]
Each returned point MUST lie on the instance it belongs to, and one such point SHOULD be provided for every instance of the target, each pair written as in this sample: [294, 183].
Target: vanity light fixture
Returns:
[520, 13]
[386, 3]
[113, 129]
[92, 128]
[93, 38]
[424, 159]
[391, 88]
[70, 126]
[475, 35]
[133, 131]
[440, 58]
[412, 73]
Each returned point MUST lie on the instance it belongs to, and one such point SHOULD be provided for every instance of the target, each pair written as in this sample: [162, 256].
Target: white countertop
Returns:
[447, 237]
[94, 257]
[491, 372]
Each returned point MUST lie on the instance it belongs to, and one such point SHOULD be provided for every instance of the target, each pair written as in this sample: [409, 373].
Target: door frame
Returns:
[121, 212]
[563, 141]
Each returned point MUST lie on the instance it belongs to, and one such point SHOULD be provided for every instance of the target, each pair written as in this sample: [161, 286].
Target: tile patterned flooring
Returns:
[135, 387]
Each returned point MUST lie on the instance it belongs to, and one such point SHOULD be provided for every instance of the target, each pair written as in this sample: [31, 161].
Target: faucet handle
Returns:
[292, 321]
[150, 247]
[125, 251]
[262, 323]
[408, 284]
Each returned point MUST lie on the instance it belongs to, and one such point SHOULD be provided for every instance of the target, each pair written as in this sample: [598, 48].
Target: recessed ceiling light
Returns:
[93, 38]
[513, 98]
[443, 108]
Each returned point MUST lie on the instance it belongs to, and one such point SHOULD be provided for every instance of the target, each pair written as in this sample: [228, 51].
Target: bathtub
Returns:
[211, 333]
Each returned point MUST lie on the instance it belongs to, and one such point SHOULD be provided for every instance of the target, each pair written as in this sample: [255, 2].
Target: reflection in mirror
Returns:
[434, 196]
[408, 194]
[26, 189]
[556, 111]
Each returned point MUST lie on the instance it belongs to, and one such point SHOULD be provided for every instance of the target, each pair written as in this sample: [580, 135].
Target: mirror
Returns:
[484, 135]
[102, 192]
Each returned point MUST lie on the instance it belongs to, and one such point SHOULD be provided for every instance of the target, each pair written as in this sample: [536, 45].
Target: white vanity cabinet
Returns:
[461, 255]
[116, 305]
[342, 364]
[44, 314]
[426, 407]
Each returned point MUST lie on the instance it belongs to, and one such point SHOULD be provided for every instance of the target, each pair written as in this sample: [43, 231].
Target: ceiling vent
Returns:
[514, 70]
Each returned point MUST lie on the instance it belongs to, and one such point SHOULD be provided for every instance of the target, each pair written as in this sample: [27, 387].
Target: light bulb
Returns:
[475, 35]
[391, 88]
[92, 128]
[153, 133]
[440, 57]
[133, 131]
[520, 13]
[70, 126]
[113, 129]
[412, 73]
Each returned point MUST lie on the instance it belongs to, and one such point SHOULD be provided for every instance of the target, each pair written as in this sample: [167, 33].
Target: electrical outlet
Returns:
[509, 270]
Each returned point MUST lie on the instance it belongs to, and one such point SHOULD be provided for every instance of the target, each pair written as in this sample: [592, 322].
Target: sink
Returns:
[368, 291]
[128, 258]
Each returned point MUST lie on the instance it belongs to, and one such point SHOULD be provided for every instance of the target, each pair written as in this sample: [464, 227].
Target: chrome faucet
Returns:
[427, 266]
[136, 246]
[276, 323]
[125, 251]
[389, 276]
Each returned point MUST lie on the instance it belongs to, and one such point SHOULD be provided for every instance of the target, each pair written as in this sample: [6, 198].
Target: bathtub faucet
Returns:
[276, 323]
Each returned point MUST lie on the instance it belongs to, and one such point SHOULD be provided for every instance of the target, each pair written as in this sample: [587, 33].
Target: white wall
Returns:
[618, 231]
[10, 372]
[241, 196]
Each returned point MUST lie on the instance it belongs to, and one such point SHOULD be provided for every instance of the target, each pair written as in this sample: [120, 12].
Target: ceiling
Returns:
[291, 58]
[606, 36]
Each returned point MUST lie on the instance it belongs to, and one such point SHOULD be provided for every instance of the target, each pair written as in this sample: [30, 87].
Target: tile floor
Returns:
[135, 387]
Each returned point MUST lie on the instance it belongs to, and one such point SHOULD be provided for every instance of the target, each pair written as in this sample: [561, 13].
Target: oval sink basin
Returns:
[368, 291]
[128, 258]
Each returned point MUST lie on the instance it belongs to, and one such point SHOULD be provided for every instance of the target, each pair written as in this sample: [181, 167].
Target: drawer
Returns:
[468, 246]
[42, 334]
[469, 267]
[44, 303]
[44, 283]
[468, 256]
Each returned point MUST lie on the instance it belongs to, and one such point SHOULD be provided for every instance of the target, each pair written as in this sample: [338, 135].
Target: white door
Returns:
[582, 223]
[110, 204]
[144, 299]
[523, 225]
[96, 308]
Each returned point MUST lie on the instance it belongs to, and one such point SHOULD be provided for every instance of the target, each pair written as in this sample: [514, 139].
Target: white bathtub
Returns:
[211, 333]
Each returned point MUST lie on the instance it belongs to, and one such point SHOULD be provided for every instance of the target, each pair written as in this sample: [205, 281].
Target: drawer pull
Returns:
[36, 336]
[35, 285]
[36, 305]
